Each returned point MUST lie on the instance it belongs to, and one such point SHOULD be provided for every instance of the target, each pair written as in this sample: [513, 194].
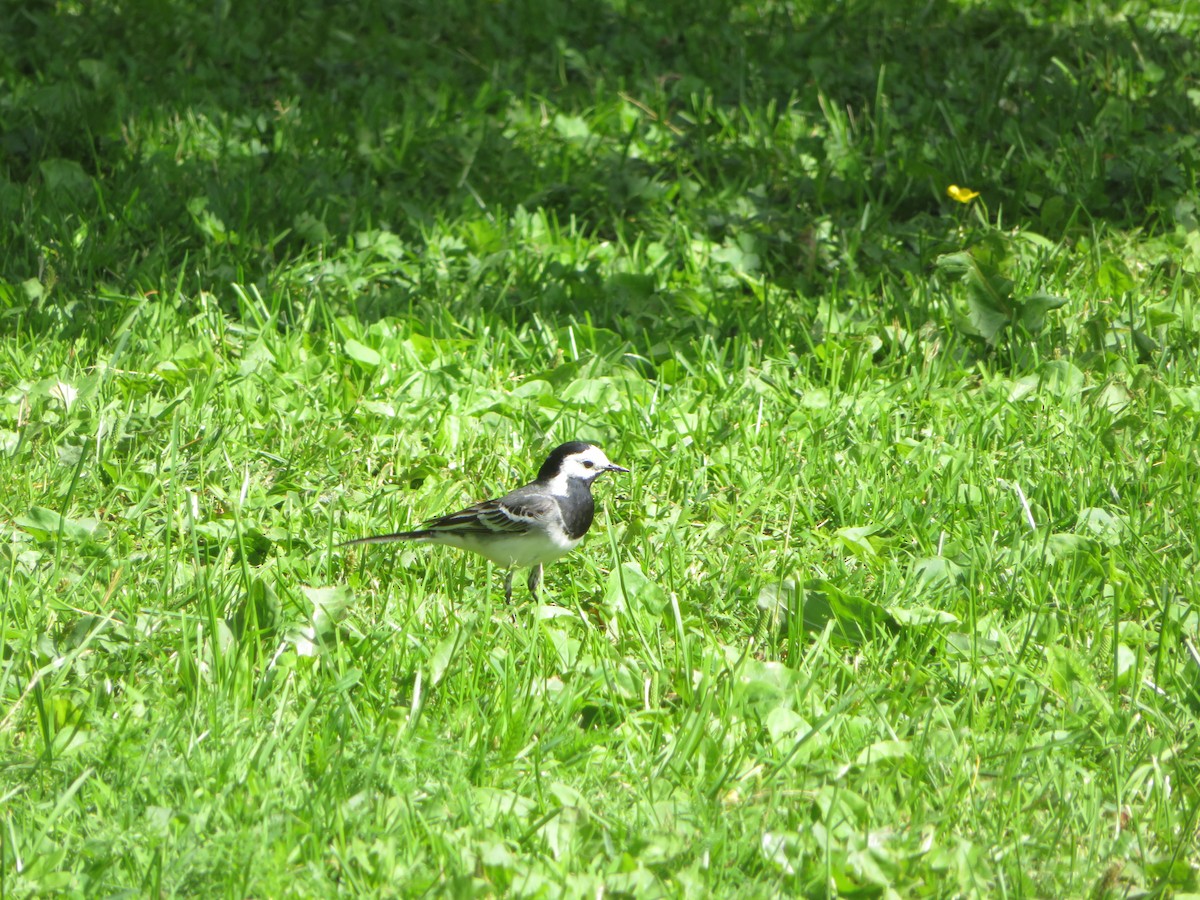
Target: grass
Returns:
[898, 597]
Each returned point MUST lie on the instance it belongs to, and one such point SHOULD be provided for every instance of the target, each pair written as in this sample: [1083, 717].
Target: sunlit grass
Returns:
[897, 598]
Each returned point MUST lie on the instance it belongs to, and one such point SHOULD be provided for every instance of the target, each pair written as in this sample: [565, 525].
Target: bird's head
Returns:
[576, 459]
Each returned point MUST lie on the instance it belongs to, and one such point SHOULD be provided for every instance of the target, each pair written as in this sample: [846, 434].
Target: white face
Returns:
[587, 464]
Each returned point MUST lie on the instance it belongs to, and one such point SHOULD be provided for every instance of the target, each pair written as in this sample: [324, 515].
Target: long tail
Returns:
[387, 538]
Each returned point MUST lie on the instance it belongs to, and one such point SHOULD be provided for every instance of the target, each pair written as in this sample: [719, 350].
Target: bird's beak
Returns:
[613, 467]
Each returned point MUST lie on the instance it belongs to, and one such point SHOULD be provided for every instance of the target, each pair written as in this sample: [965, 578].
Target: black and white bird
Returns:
[528, 527]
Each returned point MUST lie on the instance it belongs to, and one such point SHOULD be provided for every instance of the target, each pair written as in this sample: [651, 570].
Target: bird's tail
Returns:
[387, 538]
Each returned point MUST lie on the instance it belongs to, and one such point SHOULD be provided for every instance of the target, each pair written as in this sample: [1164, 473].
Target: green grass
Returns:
[899, 597]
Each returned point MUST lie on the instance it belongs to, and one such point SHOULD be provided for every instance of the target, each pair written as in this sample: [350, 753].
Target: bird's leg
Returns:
[535, 579]
[508, 586]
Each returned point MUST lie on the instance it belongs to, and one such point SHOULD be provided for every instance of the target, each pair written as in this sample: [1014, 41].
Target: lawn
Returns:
[892, 309]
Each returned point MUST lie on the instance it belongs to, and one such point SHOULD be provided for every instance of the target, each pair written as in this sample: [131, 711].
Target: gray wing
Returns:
[519, 512]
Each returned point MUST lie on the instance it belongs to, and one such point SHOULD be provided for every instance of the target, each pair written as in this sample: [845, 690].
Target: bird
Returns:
[528, 527]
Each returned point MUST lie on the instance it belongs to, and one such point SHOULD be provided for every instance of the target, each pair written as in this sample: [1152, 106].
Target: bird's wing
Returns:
[515, 513]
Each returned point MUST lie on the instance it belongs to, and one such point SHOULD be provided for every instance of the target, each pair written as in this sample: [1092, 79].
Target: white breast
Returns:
[519, 550]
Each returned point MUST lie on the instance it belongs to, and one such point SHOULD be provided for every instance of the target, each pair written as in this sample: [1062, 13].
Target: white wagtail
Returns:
[531, 526]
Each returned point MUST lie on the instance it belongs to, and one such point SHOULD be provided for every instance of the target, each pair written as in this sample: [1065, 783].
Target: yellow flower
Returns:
[961, 194]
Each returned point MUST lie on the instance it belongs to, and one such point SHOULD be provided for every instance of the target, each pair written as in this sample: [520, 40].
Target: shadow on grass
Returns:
[145, 144]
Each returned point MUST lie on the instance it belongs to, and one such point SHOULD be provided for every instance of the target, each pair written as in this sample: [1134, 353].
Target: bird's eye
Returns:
[587, 464]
